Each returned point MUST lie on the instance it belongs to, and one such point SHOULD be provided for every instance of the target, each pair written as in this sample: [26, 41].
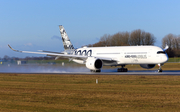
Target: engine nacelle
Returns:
[94, 63]
[147, 66]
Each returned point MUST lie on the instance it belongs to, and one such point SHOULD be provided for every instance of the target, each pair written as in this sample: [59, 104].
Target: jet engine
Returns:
[147, 66]
[94, 64]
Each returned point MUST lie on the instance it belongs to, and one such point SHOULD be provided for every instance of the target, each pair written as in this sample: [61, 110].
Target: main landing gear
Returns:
[122, 69]
[160, 69]
[95, 70]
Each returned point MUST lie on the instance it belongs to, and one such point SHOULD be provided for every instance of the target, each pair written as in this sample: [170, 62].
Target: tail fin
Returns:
[66, 42]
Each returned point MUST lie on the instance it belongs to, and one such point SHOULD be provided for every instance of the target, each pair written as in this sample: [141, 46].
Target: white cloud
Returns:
[28, 44]
[56, 37]
[4, 46]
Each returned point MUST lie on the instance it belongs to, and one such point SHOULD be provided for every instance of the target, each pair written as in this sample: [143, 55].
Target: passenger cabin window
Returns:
[161, 52]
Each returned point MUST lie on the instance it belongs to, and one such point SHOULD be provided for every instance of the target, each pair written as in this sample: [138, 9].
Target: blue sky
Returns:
[33, 24]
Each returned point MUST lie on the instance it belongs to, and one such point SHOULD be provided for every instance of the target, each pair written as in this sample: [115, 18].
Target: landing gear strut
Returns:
[122, 69]
[160, 69]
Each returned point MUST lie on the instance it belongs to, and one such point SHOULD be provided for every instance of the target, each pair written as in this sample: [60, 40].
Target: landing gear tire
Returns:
[159, 70]
[122, 69]
[95, 70]
[98, 71]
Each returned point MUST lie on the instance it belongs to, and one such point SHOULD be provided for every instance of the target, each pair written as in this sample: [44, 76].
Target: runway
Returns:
[76, 70]
[138, 72]
[122, 73]
[134, 72]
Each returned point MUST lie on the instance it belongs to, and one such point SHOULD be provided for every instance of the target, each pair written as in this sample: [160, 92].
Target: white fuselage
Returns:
[125, 55]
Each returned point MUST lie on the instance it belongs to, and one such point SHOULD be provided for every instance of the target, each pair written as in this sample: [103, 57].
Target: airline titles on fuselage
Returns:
[130, 55]
[136, 56]
[83, 52]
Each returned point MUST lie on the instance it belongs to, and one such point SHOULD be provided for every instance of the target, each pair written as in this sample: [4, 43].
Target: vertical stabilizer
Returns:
[66, 42]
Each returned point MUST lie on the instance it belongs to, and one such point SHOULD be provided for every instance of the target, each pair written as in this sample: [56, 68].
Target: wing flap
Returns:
[68, 56]
[50, 52]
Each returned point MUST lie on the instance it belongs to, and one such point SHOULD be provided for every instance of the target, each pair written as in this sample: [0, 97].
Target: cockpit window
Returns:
[161, 52]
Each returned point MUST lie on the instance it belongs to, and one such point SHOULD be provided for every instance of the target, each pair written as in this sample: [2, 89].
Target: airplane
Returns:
[95, 58]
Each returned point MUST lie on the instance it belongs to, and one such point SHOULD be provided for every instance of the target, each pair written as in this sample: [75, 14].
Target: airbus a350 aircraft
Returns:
[96, 57]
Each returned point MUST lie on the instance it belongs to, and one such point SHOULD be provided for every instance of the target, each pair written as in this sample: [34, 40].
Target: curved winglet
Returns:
[13, 49]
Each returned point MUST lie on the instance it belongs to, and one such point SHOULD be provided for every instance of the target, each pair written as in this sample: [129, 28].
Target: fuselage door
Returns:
[149, 53]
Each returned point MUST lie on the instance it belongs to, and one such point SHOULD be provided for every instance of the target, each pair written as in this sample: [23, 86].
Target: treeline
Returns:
[137, 37]
[140, 37]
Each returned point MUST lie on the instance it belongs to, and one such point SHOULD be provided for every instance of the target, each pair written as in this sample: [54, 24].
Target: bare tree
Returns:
[174, 45]
[139, 37]
[105, 40]
[171, 40]
[135, 37]
[149, 39]
[120, 39]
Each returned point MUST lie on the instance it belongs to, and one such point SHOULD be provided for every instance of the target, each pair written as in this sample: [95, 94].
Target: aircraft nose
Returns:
[165, 58]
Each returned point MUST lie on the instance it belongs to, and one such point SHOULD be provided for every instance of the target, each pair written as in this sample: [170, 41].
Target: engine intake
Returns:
[94, 64]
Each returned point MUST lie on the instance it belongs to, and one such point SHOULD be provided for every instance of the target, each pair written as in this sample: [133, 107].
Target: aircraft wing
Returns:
[61, 55]
[50, 52]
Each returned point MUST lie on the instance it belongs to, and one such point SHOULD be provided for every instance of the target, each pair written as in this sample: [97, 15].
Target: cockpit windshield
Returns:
[161, 52]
